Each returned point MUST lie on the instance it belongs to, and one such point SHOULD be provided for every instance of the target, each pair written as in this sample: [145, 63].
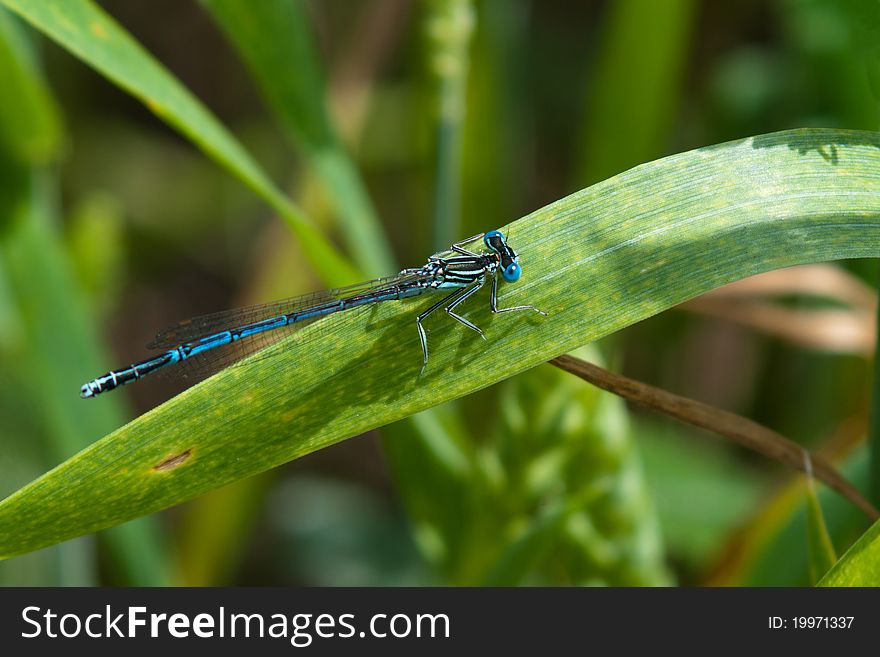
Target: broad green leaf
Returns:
[273, 37]
[860, 565]
[54, 358]
[84, 29]
[37, 305]
[595, 262]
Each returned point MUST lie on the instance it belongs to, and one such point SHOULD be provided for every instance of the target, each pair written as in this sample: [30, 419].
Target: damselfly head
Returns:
[510, 268]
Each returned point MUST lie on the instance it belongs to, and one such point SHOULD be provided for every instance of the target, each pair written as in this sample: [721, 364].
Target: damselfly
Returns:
[212, 336]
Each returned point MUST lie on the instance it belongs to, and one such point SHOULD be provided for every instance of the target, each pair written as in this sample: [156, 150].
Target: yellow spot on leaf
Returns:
[155, 107]
[98, 30]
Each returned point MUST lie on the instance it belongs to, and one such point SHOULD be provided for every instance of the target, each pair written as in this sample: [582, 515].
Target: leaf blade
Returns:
[860, 565]
[596, 261]
[86, 31]
[274, 40]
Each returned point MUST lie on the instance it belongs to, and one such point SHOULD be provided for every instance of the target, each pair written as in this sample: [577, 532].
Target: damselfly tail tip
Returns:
[86, 391]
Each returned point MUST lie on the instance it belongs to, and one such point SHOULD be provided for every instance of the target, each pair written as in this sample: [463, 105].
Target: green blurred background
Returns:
[459, 116]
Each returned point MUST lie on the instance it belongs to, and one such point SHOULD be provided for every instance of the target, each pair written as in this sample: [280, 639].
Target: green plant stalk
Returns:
[86, 31]
[495, 141]
[447, 184]
[567, 448]
[770, 550]
[639, 71]
[428, 454]
[449, 26]
[595, 262]
[819, 545]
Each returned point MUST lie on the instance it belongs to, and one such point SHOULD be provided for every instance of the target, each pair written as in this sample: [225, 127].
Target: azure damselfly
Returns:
[209, 339]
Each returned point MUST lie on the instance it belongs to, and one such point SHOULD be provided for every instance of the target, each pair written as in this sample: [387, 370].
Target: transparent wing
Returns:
[465, 243]
[202, 365]
[195, 328]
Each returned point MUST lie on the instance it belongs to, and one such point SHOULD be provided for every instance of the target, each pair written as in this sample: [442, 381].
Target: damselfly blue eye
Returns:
[492, 234]
[512, 272]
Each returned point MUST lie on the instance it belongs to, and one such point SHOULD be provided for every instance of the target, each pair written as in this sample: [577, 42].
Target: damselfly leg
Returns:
[452, 300]
[458, 247]
[493, 302]
[451, 307]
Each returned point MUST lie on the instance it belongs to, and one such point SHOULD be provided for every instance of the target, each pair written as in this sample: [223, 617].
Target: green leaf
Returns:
[274, 40]
[638, 73]
[84, 29]
[55, 357]
[860, 565]
[771, 551]
[595, 262]
[30, 128]
[37, 305]
[821, 549]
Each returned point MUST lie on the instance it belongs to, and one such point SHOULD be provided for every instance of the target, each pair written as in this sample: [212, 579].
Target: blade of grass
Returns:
[52, 309]
[860, 565]
[595, 262]
[638, 74]
[30, 127]
[769, 549]
[431, 455]
[86, 31]
[63, 344]
[274, 40]
[820, 547]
